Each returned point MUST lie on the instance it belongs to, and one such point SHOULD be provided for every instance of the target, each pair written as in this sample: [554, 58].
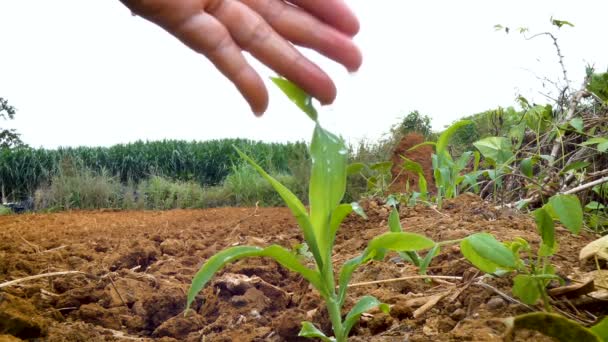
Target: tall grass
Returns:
[246, 187]
[82, 189]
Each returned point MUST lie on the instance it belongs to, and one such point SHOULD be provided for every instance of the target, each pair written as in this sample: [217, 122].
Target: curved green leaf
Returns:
[474, 258]
[601, 329]
[278, 253]
[358, 210]
[546, 229]
[310, 331]
[297, 96]
[575, 166]
[354, 168]
[400, 242]
[364, 304]
[394, 224]
[444, 138]
[498, 149]
[577, 124]
[346, 273]
[426, 261]
[327, 183]
[411, 165]
[295, 205]
[556, 326]
[525, 288]
[569, 211]
[491, 249]
[429, 143]
[526, 167]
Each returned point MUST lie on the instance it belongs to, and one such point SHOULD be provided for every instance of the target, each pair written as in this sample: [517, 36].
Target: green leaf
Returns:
[295, 205]
[601, 329]
[556, 326]
[400, 242]
[278, 253]
[310, 331]
[364, 304]
[444, 138]
[560, 23]
[525, 288]
[599, 86]
[474, 258]
[340, 213]
[354, 168]
[527, 167]
[358, 210]
[486, 246]
[411, 165]
[593, 205]
[602, 143]
[428, 258]
[337, 216]
[569, 211]
[575, 166]
[382, 167]
[429, 143]
[577, 124]
[394, 224]
[498, 149]
[297, 96]
[327, 183]
[477, 159]
[544, 224]
[346, 273]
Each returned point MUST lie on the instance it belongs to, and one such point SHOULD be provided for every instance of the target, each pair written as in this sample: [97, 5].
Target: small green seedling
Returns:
[319, 225]
[394, 225]
[533, 273]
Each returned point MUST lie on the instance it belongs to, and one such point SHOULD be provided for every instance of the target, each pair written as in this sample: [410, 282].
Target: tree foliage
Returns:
[8, 137]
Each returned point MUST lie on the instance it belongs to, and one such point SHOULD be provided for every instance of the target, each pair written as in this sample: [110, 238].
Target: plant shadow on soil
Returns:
[137, 267]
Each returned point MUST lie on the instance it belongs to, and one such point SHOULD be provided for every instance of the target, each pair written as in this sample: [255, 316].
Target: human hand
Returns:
[268, 29]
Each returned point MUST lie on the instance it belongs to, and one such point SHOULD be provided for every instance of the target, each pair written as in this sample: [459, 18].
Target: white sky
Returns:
[84, 72]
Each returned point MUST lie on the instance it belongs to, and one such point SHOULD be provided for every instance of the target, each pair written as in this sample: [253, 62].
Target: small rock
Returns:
[495, 303]
[458, 314]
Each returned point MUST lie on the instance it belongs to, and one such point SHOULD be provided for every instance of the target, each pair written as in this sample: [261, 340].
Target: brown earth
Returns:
[421, 155]
[137, 266]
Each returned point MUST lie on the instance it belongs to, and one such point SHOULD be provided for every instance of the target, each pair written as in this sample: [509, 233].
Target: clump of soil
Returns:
[137, 266]
[421, 155]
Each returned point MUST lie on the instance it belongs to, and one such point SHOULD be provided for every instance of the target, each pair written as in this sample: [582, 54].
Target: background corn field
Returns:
[24, 170]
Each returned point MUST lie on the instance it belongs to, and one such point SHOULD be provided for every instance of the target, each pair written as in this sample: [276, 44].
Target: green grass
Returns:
[5, 211]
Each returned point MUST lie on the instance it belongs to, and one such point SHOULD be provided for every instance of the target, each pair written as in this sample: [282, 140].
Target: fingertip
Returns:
[355, 60]
[328, 95]
[351, 27]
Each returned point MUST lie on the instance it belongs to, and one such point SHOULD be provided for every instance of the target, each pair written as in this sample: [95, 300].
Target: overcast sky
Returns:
[84, 72]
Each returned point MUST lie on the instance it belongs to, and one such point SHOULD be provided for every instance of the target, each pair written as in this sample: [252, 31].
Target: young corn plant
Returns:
[394, 225]
[447, 172]
[319, 226]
